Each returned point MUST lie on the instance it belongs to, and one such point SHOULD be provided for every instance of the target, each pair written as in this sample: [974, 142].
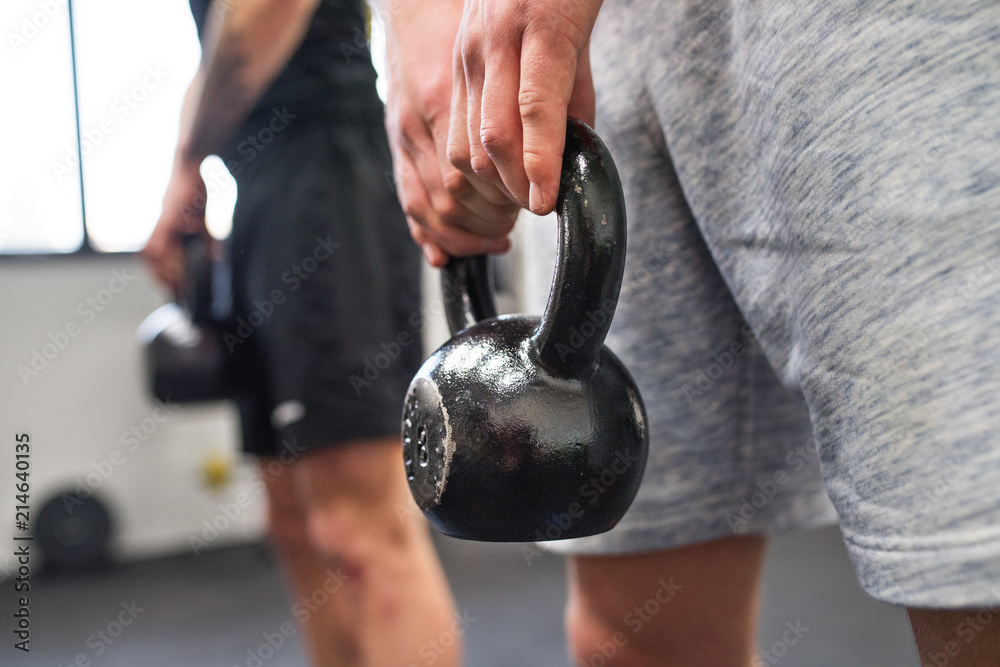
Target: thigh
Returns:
[840, 159]
[364, 473]
[326, 286]
[730, 447]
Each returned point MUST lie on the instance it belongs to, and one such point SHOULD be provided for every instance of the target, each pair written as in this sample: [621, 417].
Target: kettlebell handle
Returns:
[467, 292]
[590, 262]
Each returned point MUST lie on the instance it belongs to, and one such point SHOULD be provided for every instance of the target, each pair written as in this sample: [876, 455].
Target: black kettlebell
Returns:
[186, 357]
[526, 429]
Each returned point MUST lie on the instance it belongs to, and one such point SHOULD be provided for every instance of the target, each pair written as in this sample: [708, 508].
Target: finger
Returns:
[452, 240]
[157, 254]
[471, 77]
[500, 126]
[421, 160]
[475, 193]
[548, 70]
[459, 178]
[480, 217]
[435, 256]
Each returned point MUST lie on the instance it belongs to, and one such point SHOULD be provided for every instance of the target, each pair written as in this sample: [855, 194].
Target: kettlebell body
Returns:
[186, 357]
[522, 428]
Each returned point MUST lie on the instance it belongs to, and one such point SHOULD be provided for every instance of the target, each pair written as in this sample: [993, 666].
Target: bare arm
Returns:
[246, 45]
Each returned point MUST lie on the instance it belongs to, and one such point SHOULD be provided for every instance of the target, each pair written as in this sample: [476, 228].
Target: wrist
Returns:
[187, 161]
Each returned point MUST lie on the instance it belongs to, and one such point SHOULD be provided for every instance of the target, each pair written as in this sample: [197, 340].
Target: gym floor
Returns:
[215, 610]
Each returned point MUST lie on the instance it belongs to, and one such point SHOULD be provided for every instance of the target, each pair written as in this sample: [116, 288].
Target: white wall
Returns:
[83, 402]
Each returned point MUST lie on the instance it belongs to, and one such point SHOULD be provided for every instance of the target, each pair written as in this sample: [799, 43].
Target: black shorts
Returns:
[325, 285]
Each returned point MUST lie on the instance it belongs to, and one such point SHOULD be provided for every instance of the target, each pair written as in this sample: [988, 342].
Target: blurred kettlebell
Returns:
[526, 429]
[186, 358]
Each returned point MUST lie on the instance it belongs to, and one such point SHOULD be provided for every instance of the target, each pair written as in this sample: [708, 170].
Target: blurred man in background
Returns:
[325, 274]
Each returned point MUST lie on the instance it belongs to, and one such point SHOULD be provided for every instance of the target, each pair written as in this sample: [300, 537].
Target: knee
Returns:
[287, 524]
[356, 502]
[353, 534]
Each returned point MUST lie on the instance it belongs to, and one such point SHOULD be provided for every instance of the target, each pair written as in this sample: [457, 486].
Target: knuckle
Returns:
[450, 211]
[532, 104]
[535, 163]
[494, 140]
[412, 211]
[481, 165]
[471, 46]
[458, 155]
[455, 183]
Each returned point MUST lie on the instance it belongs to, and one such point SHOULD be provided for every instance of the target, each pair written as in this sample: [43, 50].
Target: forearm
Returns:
[405, 23]
[246, 45]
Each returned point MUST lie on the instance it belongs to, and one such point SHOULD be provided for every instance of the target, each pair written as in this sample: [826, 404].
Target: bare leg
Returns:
[331, 627]
[361, 517]
[957, 637]
[369, 589]
[694, 606]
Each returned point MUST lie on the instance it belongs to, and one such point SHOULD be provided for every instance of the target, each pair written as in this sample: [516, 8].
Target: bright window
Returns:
[133, 63]
[40, 208]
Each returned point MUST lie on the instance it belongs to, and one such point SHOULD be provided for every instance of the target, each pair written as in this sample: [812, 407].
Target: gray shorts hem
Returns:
[940, 578]
[669, 535]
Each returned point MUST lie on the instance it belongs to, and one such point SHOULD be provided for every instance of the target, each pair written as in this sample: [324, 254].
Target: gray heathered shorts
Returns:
[811, 303]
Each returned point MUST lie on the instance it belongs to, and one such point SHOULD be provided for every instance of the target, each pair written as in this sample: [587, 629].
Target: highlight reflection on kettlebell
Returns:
[504, 424]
